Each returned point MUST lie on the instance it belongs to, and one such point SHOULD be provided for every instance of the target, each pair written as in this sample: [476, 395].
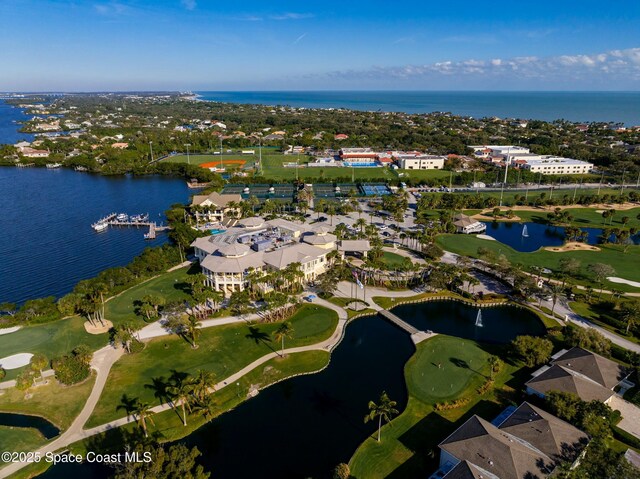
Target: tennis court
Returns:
[375, 189]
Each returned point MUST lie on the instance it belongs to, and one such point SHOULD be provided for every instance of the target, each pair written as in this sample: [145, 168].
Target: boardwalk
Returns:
[417, 336]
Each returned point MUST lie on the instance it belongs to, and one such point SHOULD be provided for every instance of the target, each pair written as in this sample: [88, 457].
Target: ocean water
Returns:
[619, 107]
[47, 244]
[8, 128]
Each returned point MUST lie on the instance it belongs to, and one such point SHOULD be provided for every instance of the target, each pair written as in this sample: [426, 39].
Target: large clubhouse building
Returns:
[254, 247]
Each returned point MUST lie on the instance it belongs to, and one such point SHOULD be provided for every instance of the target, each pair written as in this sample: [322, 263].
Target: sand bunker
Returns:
[614, 279]
[97, 327]
[572, 246]
[486, 237]
[9, 330]
[15, 361]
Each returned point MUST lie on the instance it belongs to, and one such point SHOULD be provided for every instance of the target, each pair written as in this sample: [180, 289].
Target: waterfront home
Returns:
[216, 206]
[583, 373]
[120, 146]
[528, 442]
[29, 152]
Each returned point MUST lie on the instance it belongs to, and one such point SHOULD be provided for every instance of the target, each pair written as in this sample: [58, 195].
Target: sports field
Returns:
[234, 161]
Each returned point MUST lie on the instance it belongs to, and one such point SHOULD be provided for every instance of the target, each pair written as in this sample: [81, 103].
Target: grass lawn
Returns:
[169, 425]
[198, 159]
[342, 302]
[625, 264]
[51, 339]
[56, 402]
[222, 350]
[603, 317]
[392, 260]
[422, 174]
[171, 286]
[409, 445]
[19, 439]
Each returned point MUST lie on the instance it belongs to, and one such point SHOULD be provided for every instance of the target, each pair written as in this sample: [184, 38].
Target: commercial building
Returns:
[555, 165]
[419, 161]
[233, 260]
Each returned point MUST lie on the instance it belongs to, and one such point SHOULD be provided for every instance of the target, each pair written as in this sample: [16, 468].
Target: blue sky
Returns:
[75, 45]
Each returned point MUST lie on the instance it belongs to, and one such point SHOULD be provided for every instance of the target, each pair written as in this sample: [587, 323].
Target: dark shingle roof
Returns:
[467, 470]
[559, 378]
[605, 372]
[496, 451]
[556, 438]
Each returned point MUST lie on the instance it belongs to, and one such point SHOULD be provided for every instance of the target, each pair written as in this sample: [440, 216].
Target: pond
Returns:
[305, 426]
[47, 429]
[540, 235]
[499, 324]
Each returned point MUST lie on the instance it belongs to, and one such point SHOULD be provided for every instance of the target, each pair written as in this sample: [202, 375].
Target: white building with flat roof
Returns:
[419, 161]
[555, 165]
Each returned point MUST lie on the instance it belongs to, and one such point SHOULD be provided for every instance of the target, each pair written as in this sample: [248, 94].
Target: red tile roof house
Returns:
[528, 444]
[341, 136]
[581, 372]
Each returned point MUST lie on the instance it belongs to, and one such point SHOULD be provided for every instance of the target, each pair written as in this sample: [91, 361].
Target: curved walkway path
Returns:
[104, 358]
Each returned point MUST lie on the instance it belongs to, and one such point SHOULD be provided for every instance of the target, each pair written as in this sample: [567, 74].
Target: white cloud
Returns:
[189, 4]
[112, 8]
[290, 16]
[607, 66]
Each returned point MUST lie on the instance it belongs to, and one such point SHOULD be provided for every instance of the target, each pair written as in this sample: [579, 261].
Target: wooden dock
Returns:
[416, 335]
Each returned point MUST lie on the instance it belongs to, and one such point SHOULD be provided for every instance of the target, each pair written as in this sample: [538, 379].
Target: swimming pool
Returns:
[216, 231]
[357, 165]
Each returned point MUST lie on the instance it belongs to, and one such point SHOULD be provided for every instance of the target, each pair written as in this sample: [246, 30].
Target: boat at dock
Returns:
[122, 217]
[53, 166]
[100, 226]
[141, 218]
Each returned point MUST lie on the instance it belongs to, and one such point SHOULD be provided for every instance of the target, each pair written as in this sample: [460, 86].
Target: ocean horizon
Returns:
[576, 106]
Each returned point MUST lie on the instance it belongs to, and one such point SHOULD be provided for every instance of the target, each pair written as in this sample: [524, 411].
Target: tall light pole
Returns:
[221, 164]
[506, 169]
[260, 155]
[151, 149]
[600, 184]
[188, 159]
[622, 187]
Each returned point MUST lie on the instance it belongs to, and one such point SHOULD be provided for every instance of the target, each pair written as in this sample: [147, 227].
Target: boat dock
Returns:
[417, 336]
[112, 220]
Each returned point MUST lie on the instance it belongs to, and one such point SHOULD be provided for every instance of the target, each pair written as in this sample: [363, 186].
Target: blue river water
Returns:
[47, 244]
[623, 107]
[9, 115]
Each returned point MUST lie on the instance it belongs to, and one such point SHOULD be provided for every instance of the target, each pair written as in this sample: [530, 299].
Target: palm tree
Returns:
[181, 393]
[494, 363]
[203, 381]
[143, 412]
[284, 331]
[206, 407]
[631, 314]
[385, 410]
[191, 329]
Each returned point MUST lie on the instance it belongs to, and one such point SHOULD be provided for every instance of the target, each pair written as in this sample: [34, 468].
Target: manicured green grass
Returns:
[422, 174]
[625, 264]
[170, 286]
[19, 439]
[199, 159]
[602, 317]
[392, 260]
[51, 339]
[222, 350]
[408, 448]
[56, 402]
[169, 424]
